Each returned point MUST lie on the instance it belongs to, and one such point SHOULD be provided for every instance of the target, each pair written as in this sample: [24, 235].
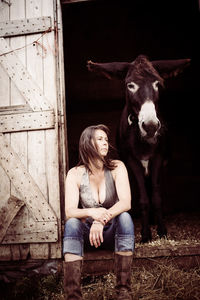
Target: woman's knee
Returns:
[125, 223]
[125, 217]
[73, 228]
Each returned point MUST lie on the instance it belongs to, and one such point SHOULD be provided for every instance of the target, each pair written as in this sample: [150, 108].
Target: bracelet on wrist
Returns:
[96, 222]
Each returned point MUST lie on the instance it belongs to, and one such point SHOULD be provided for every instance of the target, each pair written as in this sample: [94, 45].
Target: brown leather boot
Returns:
[72, 279]
[123, 276]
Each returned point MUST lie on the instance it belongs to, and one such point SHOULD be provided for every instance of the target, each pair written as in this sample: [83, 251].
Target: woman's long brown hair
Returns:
[88, 152]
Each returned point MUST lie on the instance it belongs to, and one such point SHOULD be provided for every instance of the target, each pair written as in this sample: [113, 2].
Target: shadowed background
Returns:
[105, 31]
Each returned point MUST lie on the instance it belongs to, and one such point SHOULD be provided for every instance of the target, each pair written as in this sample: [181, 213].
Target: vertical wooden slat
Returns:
[53, 185]
[5, 251]
[49, 60]
[17, 11]
[5, 85]
[36, 140]
[18, 140]
[50, 90]
[39, 251]
[24, 251]
[15, 249]
[61, 99]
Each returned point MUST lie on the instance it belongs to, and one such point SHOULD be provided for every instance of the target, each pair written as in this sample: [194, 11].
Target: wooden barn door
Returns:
[31, 137]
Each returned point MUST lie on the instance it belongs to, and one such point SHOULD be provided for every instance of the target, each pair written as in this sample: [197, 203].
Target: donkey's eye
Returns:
[133, 87]
[155, 85]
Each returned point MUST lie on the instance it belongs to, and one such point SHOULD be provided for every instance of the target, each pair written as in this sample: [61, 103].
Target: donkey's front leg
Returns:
[156, 166]
[137, 170]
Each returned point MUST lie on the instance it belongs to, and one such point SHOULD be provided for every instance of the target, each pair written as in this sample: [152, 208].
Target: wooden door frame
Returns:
[61, 99]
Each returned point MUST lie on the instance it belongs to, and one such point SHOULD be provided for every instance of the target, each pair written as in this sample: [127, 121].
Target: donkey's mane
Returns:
[143, 68]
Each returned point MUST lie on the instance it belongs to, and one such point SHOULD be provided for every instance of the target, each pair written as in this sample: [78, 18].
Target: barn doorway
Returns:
[106, 31]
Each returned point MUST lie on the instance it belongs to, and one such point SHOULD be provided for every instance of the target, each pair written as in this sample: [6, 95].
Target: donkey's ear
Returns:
[109, 70]
[170, 68]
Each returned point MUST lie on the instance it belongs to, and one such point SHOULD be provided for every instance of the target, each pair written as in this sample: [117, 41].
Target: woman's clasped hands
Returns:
[101, 216]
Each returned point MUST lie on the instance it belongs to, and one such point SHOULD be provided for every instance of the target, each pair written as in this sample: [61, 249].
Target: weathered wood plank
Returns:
[24, 183]
[52, 90]
[15, 250]
[24, 229]
[5, 110]
[27, 121]
[24, 26]
[7, 214]
[37, 140]
[5, 253]
[37, 60]
[35, 233]
[23, 80]
[75, 1]
[24, 251]
[100, 261]
[148, 252]
[170, 250]
[185, 262]
[18, 140]
[4, 186]
[52, 169]
[5, 83]
[39, 251]
[4, 88]
[32, 227]
[5, 95]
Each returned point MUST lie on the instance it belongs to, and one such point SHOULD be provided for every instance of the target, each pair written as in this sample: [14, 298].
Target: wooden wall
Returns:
[32, 129]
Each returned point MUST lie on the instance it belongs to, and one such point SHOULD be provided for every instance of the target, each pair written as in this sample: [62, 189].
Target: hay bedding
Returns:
[163, 281]
[183, 228]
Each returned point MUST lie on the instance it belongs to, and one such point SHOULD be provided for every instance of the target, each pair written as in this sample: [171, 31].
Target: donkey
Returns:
[140, 137]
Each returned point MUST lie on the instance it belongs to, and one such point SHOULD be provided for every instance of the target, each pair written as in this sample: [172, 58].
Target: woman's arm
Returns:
[72, 199]
[72, 196]
[123, 190]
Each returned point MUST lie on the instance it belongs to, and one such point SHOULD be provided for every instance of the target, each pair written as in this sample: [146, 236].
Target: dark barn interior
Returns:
[105, 31]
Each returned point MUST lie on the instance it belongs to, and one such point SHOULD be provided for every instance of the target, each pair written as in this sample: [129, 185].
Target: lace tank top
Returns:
[85, 193]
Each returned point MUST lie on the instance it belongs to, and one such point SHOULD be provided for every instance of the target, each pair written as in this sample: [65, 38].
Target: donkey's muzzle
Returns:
[150, 129]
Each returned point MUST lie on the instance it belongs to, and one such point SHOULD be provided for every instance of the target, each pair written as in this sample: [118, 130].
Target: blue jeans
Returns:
[118, 235]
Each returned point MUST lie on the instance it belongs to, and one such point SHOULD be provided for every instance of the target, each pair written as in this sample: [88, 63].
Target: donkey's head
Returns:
[142, 81]
[142, 92]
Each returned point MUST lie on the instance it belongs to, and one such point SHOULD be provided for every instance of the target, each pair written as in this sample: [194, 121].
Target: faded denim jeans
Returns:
[118, 235]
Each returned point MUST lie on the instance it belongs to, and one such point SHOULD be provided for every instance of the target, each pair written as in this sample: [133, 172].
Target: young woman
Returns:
[97, 199]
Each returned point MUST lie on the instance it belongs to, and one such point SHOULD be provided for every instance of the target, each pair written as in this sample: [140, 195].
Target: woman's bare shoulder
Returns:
[76, 172]
[119, 168]
[118, 163]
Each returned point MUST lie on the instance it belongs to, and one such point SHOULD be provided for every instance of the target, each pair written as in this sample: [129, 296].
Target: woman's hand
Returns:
[105, 218]
[100, 214]
[96, 234]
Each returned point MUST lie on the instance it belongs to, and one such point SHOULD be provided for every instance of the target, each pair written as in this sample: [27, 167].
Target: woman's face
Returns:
[101, 141]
